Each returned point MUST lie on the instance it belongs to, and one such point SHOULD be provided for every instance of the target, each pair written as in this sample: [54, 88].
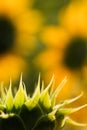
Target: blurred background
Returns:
[47, 37]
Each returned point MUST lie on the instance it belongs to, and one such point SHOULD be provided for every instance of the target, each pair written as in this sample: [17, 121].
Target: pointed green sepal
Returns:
[67, 111]
[20, 96]
[9, 99]
[72, 122]
[45, 100]
[68, 101]
[33, 101]
[3, 93]
[57, 91]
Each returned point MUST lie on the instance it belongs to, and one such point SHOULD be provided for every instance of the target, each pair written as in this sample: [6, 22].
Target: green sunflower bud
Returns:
[40, 111]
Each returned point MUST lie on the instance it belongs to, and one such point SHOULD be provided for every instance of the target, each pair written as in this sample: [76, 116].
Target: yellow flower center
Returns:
[7, 34]
[75, 53]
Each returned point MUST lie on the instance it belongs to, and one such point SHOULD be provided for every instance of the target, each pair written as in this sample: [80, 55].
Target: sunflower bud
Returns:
[37, 112]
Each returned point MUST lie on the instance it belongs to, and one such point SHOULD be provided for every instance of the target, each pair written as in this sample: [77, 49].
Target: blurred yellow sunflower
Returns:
[66, 54]
[18, 25]
[74, 17]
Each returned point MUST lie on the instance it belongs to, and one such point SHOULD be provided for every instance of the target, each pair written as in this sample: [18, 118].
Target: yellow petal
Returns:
[48, 59]
[30, 21]
[12, 7]
[54, 36]
[74, 18]
[11, 66]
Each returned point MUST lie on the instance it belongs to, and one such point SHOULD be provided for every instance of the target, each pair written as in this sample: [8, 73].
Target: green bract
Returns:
[37, 112]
